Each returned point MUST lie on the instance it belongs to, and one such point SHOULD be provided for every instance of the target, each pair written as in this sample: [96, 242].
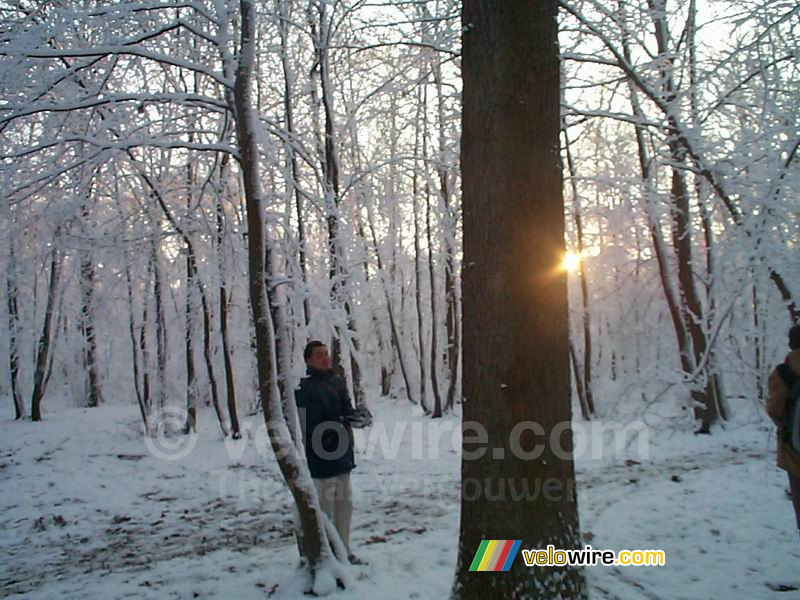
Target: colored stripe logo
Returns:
[495, 555]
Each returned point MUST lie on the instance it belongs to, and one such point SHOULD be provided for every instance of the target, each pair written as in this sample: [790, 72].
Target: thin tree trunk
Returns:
[284, 9]
[230, 386]
[435, 71]
[134, 352]
[191, 280]
[715, 387]
[422, 359]
[146, 395]
[43, 347]
[705, 408]
[437, 397]
[188, 339]
[314, 536]
[212, 378]
[340, 294]
[12, 294]
[670, 294]
[578, 378]
[757, 347]
[161, 328]
[587, 397]
[388, 368]
[373, 313]
[87, 322]
[390, 310]
[448, 224]
[361, 202]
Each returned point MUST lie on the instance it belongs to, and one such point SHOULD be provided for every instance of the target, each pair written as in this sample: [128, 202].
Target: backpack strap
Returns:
[788, 376]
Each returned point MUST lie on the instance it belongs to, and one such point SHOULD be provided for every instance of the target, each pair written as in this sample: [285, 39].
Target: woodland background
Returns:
[124, 240]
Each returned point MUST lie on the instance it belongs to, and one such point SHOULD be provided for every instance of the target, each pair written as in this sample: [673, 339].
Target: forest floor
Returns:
[89, 511]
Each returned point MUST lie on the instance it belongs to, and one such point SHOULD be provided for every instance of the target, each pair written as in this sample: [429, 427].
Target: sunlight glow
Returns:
[571, 261]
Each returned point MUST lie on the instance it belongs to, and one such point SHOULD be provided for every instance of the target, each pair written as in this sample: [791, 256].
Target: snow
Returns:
[89, 512]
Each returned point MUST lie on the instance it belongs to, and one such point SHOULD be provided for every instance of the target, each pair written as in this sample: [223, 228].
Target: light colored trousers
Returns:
[336, 500]
[794, 486]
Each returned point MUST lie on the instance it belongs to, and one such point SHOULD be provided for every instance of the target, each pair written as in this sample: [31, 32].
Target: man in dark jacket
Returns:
[325, 414]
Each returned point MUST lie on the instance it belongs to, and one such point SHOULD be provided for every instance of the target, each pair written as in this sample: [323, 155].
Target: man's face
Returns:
[319, 359]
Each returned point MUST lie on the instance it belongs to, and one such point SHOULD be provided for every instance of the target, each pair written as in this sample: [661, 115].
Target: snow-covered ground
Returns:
[89, 511]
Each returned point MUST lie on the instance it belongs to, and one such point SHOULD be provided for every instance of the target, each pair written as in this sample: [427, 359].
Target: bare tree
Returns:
[272, 364]
[12, 294]
[45, 343]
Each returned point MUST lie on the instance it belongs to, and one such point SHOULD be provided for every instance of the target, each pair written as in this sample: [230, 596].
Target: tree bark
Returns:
[87, 321]
[188, 339]
[146, 395]
[449, 225]
[43, 347]
[230, 386]
[437, 397]
[314, 537]
[422, 358]
[161, 327]
[516, 333]
[12, 294]
[134, 350]
[207, 356]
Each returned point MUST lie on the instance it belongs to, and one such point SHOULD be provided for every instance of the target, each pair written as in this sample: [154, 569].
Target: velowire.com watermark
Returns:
[418, 439]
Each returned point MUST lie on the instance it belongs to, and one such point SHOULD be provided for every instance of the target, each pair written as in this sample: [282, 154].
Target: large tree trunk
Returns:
[516, 332]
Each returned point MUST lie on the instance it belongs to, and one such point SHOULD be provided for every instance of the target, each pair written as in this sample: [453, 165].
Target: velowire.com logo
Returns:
[495, 555]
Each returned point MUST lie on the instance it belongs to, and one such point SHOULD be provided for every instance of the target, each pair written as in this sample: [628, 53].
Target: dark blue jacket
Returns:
[324, 406]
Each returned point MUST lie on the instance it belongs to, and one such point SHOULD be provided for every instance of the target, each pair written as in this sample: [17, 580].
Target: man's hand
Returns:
[359, 418]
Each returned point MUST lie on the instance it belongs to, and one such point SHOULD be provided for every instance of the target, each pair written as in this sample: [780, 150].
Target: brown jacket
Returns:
[777, 404]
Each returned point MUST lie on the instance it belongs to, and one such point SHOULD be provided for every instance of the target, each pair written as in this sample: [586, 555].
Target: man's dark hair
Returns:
[310, 348]
[794, 337]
